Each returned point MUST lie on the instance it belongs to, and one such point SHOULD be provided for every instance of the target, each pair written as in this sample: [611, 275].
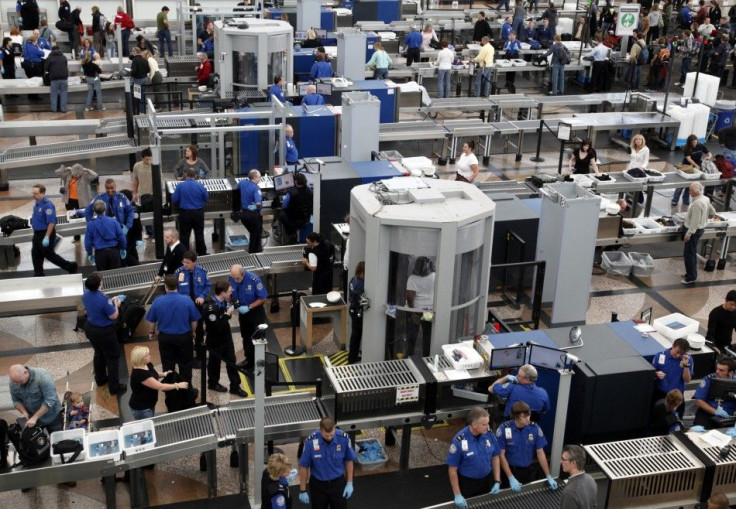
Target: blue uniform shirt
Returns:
[250, 194]
[99, 308]
[413, 39]
[327, 461]
[275, 91]
[512, 48]
[313, 100]
[249, 290]
[536, 397]
[322, 70]
[522, 444]
[190, 195]
[208, 46]
[40, 390]
[173, 313]
[118, 206]
[279, 501]
[32, 52]
[505, 30]
[701, 393]
[43, 43]
[104, 232]
[545, 33]
[292, 154]
[202, 283]
[44, 214]
[663, 361]
[472, 455]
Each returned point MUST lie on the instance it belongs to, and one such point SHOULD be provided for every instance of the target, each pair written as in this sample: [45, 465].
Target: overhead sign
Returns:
[628, 19]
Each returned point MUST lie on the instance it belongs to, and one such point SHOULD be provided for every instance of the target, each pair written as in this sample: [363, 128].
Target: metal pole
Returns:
[562, 155]
[669, 80]
[119, 35]
[537, 158]
[259, 374]
[558, 437]
[697, 70]
[294, 349]
[158, 217]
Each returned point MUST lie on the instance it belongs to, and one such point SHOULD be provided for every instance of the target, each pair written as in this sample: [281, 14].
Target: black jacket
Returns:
[56, 65]
[300, 206]
[65, 11]
[172, 261]
[91, 69]
[482, 29]
[139, 67]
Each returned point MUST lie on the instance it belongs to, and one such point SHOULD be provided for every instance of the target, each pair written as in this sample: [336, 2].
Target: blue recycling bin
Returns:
[724, 111]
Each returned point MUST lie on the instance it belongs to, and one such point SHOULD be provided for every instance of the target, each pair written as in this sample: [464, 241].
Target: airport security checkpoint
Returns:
[479, 254]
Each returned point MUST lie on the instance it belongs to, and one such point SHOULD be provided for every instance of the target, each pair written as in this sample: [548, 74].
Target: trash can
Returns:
[642, 264]
[616, 263]
[724, 111]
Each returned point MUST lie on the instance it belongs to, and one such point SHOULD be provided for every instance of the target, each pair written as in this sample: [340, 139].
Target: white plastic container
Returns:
[656, 175]
[695, 175]
[138, 436]
[71, 434]
[103, 445]
[370, 464]
[675, 326]
[629, 176]
[469, 358]
[647, 225]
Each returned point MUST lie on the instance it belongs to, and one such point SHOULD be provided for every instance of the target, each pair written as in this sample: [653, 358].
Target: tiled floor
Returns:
[48, 340]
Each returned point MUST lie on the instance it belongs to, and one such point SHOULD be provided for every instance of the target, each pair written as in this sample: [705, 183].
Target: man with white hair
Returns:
[413, 43]
[313, 98]
[697, 217]
[522, 387]
[40, 41]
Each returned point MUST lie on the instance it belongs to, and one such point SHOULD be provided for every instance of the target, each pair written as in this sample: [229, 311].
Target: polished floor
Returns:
[48, 340]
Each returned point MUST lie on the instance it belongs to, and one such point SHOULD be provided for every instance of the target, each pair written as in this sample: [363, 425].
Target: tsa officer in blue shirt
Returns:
[194, 283]
[251, 295]
[176, 317]
[522, 387]
[105, 236]
[329, 455]
[472, 453]
[709, 408]
[191, 196]
[251, 203]
[102, 312]
[118, 206]
[275, 90]
[321, 68]
[674, 368]
[43, 222]
[519, 439]
[292, 154]
[313, 98]
[413, 43]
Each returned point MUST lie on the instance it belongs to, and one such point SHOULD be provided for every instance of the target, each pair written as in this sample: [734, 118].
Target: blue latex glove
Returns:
[511, 378]
[121, 298]
[496, 488]
[125, 230]
[304, 498]
[721, 413]
[138, 244]
[552, 483]
[123, 254]
[252, 207]
[515, 485]
[460, 502]
[243, 309]
[731, 432]
[292, 475]
[45, 242]
[698, 429]
[348, 491]
[91, 259]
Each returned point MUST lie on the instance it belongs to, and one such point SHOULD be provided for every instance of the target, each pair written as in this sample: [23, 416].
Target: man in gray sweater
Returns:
[697, 217]
[581, 491]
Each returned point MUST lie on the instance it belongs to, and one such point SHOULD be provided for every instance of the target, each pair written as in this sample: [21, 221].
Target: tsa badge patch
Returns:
[281, 502]
[702, 384]
[453, 449]
[49, 212]
[540, 432]
[531, 437]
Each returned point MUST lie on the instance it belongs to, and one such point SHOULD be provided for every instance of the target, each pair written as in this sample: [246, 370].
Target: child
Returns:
[78, 413]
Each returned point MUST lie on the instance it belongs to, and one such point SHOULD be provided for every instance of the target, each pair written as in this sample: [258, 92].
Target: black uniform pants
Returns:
[222, 350]
[107, 355]
[327, 494]
[355, 336]
[253, 222]
[414, 323]
[107, 258]
[176, 349]
[524, 475]
[39, 253]
[249, 323]
[599, 75]
[192, 220]
[412, 55]
[470, 487]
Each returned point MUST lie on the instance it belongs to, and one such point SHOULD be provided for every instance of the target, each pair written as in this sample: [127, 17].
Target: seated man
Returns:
[709, 410]
[313, 98]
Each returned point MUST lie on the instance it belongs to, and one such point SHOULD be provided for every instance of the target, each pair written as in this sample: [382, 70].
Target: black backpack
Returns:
[31, 443]
[8, 224]
[3, 445]
[180, 399]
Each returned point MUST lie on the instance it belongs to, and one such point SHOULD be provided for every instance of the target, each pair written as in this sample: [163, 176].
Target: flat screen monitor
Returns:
[545, 357]
[724, 390]
[283, 182]
[300, 36]
[324, 88]
[511, 357]
[303, 89]
[320, 33]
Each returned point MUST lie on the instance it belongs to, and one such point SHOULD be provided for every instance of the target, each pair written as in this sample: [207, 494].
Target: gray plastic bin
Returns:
[642, 264]
[616, 263]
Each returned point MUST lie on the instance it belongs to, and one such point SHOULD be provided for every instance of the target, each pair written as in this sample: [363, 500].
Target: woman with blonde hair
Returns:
[144, 384]
[380, 62]
[275, 481]
[428, 35]
[639, 153]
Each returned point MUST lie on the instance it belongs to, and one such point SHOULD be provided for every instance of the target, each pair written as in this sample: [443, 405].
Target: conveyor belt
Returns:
[533, 496]
[18, 157]
[467, 104]
[280, 255]
[417, 130]
[182, 426]
[468, 127]
[506, 186]
[265, 183]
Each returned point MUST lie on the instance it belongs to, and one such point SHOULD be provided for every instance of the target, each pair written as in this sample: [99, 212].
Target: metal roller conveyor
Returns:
[507, 186]
[534, 495]
[418, 130]
[181, 65]
[649, 471]
[220, 193]
[266, 182]
[281, 259]
[723, 467]
[19, 157]
[465, 104]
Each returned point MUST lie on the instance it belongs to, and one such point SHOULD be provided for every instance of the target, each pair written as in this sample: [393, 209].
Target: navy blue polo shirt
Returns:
[250, 194]
[118, 206]
[521, 445]
[173, 313]
[313, 100]
[198, 276]
[472, 455]
[413, 39]
[190, 195]
[292, 154]
[664, 361]
[102, 233]
[327, 461]
[99, 307]
[249, 290]
[701, 393]
[44, 214]
[536, 397]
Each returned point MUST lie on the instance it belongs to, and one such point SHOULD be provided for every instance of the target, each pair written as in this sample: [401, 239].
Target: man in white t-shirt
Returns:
[420, 297]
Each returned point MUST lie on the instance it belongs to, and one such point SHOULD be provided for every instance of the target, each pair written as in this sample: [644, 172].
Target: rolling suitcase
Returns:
[130, 314]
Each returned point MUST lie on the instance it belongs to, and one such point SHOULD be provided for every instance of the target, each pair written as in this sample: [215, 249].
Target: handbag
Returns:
[68, 446]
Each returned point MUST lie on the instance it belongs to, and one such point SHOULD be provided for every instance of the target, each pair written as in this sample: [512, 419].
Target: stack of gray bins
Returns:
[181, 66]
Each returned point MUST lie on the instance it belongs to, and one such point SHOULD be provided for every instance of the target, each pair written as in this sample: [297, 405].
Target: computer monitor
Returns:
[324, 88]
[511, 357]
[320, 33]
[545, 357]
[303, 88]
[300, 36]
[283, 182]
[722, 389]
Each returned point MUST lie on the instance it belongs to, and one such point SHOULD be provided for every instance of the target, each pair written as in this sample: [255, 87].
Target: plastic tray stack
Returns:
[700, 121]
[707, 91]
[687, 121]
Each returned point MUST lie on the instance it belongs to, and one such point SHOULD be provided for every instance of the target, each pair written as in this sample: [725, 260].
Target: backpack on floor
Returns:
[8, 224]
[31, 443]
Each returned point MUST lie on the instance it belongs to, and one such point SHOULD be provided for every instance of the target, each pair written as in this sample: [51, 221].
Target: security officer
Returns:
[709, 408]
[217, 314]
[101, 315]
[251, 295]
[105, 236]
[118, 206]
[194, 283]
[319, 257]
[296, 208]
[251, 203]
[191, 197]
[176, 317]
[43, 222]
[330, 456]
[292, 154]
[522, 387]
[519, 439]
[275, 481]
[674, 368]
[357, 289]
[173, 255]
[472, 452]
